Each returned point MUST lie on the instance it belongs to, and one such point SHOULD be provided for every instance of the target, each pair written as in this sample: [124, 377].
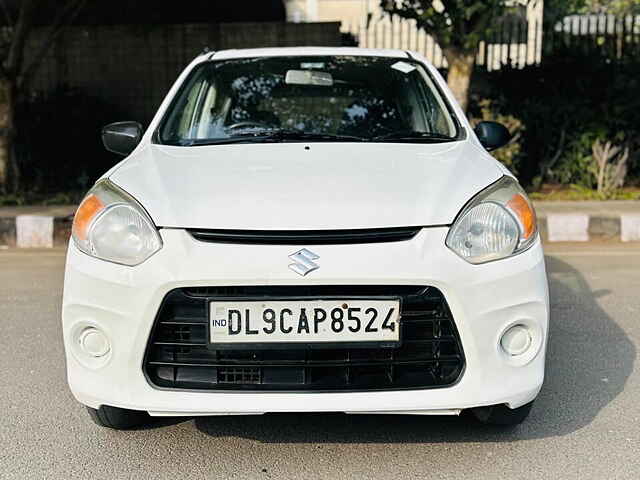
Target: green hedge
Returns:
[564, 105]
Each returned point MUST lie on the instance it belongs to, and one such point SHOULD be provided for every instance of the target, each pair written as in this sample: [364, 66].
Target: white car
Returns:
[306, 230]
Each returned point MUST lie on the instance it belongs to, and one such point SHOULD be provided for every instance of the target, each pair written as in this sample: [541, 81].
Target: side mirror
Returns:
[492, 135]
[122, 137]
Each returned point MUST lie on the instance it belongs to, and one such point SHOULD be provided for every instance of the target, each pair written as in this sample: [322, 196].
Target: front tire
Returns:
[118, 418]
[502, 415]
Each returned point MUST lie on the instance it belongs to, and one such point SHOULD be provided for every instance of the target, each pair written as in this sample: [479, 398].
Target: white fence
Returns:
[517, 43]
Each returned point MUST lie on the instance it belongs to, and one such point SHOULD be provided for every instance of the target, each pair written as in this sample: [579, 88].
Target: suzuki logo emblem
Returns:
[303, 262]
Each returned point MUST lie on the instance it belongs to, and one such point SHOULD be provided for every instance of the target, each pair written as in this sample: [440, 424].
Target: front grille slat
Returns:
[305, 237]
[178, 356]
[429, 314]
[448, 358]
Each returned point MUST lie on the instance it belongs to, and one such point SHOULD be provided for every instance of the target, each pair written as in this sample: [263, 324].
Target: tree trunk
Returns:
[7, 111]
[461, 65]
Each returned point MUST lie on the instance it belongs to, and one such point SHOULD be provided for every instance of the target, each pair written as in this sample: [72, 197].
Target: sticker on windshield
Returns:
[403, 67]
[312, 65]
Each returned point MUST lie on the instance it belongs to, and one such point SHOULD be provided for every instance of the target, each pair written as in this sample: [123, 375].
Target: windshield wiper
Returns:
[258, 136]
[299, 135]
[408, 135]
[272, 136]
[238, 138]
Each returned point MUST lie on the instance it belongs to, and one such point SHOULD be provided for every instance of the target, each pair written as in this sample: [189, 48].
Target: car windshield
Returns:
[328, 98]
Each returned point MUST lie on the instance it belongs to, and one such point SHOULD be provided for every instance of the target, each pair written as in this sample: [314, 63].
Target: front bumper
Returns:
[484, 300]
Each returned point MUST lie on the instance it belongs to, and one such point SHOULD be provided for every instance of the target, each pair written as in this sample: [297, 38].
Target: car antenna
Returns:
[206, 50]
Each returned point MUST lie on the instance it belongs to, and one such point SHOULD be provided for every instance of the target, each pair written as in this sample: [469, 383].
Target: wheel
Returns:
[118, 418]
[501, 414]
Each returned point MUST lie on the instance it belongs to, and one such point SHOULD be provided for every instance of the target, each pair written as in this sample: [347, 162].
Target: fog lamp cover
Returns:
[93, 342]
[516, 340]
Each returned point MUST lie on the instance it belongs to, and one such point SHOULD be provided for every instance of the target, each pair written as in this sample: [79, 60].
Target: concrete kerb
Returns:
[38, 227]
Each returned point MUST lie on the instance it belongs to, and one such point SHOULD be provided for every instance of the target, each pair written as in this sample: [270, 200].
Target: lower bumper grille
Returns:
[178, 357]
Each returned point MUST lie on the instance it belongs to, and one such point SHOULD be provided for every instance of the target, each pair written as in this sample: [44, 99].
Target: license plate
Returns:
[315, 322]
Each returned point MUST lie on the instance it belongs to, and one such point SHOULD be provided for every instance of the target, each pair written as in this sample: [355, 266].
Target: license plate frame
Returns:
[300, 345]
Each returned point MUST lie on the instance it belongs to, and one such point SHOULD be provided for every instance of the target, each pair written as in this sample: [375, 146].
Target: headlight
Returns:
[498, 223]
[112, 226]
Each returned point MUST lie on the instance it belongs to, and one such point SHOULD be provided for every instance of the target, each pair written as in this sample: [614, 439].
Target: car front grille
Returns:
[430, 354]
[306, 237]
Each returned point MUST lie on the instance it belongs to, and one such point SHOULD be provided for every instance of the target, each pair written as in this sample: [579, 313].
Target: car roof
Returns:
[307, 51]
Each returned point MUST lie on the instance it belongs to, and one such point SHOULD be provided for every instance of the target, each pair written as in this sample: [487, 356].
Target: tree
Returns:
[615, 7]
[458, 26]
[555, 10]
[17, 24]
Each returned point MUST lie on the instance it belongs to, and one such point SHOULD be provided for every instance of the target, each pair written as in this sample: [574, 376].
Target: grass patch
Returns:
[561, 193]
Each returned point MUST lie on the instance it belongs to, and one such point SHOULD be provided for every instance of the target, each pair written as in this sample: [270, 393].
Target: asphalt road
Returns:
[585, 424]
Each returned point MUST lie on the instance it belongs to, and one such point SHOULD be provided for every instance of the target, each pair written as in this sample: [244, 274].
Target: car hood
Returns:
[297, 186]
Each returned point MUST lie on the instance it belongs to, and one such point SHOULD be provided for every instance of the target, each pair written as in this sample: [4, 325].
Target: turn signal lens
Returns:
[524, 213]
[498, 223]
[89, 208]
